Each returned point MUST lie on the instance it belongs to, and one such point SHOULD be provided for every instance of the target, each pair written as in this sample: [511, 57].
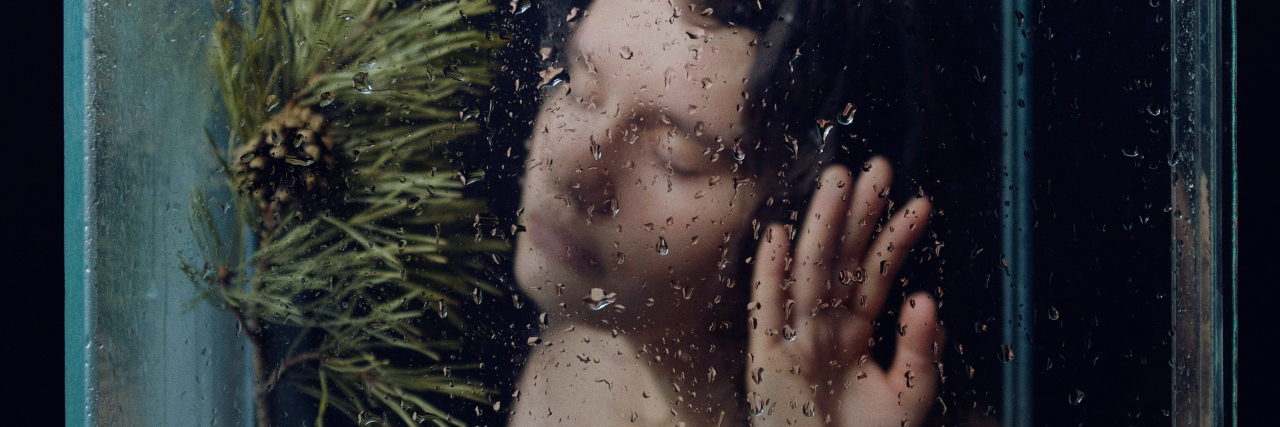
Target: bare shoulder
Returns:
[587, 377]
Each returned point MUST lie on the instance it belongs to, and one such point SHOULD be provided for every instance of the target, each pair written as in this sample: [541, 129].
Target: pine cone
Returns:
[290, 165]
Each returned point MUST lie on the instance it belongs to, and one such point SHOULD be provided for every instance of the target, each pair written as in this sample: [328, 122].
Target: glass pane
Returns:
[659, 212]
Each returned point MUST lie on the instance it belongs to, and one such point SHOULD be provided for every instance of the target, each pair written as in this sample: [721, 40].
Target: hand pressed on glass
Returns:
[813, 312]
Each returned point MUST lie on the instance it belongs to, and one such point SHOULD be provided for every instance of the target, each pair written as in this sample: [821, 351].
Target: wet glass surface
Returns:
[633, 211]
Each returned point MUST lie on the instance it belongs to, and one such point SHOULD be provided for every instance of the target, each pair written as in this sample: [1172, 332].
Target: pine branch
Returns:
[359, 254]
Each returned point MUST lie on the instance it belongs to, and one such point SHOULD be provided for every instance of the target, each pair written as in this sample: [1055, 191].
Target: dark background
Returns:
[1100, 138]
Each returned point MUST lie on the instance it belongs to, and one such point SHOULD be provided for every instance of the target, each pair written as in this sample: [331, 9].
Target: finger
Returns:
[888, 253]
[768, 298]
[868, 201]
[919, 346]
[816, 249]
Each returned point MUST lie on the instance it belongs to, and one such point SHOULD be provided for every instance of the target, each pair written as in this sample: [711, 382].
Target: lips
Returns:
[559, 242]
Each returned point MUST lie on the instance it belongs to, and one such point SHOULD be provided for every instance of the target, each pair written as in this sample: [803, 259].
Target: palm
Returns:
[813, 313]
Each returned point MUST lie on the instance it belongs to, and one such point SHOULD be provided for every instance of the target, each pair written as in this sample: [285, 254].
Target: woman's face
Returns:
[639, 148]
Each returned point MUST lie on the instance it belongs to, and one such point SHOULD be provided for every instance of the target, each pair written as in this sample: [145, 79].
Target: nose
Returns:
[578, 163]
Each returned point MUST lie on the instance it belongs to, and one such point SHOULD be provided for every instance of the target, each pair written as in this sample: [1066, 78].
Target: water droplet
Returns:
[1174, 156]
[808, 409]
[346, 15]
[326, 99]
[911, 379]
[756, 404]
[595, 149]
[625, 52]
[1006, 353]
[788, 333]
[1053, 313]
[707, 83]
[848, 277]
[469, 113]
[599, 299]
[477, 296]
[613, 206]
[299, 161]
[515, 300]
[1075, 397]
[846, 115]
[1153, 109]
[451, 71]
[695, 32]
[552, 76]
[360, 82]
[368, 63]
[824, 129]
[1128, 153]
[662, 247]
[668, 76]
[522, 6]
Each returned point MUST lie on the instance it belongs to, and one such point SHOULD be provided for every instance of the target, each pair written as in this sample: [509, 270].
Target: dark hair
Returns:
[818, 62]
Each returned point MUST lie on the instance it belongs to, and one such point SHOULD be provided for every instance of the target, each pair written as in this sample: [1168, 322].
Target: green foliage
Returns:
[375, 269]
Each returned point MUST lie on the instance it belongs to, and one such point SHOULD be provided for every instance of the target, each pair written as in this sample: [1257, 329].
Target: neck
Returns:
[658, 375]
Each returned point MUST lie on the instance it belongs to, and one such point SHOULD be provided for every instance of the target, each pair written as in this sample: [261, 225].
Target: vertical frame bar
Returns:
[1016, 239]
[75, 38]
[1235, 200]
[1197, 132]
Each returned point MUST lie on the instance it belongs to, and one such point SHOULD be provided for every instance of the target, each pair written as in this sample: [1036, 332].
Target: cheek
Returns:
[693, 218]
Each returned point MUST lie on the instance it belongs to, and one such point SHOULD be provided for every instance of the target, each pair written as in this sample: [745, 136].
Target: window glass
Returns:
[659, 212]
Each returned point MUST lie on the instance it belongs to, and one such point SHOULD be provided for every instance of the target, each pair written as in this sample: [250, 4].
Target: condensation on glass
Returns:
[653, 212]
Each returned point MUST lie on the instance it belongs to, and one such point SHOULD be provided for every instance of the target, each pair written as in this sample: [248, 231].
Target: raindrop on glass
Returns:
[1153, 109]
[451, 71]
[552, 76]
[846, 115]
[595, 149]
[599, 299]
[521, 6]
[1075, 397]
[756, 404]
[360, 82]
[662, 247]
[788, 333]
[469, 113]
